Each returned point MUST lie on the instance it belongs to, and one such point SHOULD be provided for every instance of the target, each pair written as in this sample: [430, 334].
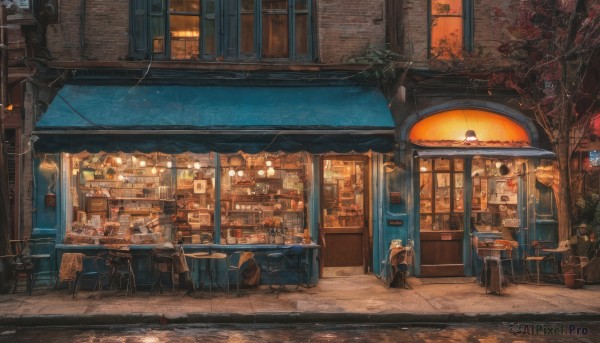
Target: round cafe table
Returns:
[208, 259]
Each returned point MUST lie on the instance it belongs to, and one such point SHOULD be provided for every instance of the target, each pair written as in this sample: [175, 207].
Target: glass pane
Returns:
[247, 32]
[185, 35]
[124, 198]
[425, 192]
[425, 165]
[209, 37]
[263, 198]
[442, 192]
[301, 35]
[343, 193]
[446, 7]
[158, 34]
[247, 5]
[192, 6]
[426, 222]
[459, 164]
[156, 6]
[275, 36]
[447, 37]
[274, 4]
[458, 192]
[301, 4]
[442, 164]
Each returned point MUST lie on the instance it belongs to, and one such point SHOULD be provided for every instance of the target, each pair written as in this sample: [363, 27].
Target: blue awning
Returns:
[177, 118]
[491, 152]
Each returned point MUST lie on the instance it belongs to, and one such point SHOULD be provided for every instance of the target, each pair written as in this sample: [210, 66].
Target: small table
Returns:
[559, 250]
[208, 273]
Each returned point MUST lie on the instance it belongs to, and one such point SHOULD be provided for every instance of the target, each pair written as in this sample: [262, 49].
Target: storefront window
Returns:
[441, 194]
[495, 189]
[344, 192]
[141, 198]
[263, 198]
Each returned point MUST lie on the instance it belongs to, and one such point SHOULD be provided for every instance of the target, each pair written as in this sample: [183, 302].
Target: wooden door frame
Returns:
[366, 207]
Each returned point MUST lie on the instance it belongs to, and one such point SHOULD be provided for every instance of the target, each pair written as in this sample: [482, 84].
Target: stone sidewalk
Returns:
[358, 299]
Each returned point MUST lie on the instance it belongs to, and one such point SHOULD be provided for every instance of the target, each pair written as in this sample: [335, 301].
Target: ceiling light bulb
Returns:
[196, 165]
[240, 173]
[498, 164]
[169, 164]
[270, 171]
[261, 172]
[142, 163]
[119, 160]
[269, 163]
[231, 172]
[189, 165]
[470, 136]
[153, 170]
[120, 177]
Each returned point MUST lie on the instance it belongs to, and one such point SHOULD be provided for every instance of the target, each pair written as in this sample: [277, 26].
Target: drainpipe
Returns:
[4, 207]
[82, 29]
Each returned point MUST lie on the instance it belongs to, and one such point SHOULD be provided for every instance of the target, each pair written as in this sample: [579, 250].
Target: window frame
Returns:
[468, 26]
[228, 31]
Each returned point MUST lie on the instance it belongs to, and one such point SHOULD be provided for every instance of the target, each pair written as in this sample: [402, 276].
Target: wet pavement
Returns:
[359, 299]
[430, 332]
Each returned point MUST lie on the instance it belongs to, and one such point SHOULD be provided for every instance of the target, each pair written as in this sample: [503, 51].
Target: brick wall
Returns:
[487, 35]
[106, 26]
[346, 28]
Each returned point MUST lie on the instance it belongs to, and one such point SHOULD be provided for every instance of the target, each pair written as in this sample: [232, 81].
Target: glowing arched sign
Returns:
[448, 129]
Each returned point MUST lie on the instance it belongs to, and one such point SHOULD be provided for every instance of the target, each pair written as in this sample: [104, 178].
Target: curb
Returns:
[290, 318]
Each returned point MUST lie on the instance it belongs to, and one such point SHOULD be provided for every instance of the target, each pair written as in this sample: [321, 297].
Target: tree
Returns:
[554, 57]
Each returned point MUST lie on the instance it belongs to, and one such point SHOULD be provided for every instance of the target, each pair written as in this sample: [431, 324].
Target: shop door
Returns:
[441, 206]
[344, 211]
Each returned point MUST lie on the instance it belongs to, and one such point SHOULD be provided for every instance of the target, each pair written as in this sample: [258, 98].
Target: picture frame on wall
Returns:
[199, 186]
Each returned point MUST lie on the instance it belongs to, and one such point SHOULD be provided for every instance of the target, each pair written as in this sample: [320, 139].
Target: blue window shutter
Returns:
[138, 34]
[230, 26]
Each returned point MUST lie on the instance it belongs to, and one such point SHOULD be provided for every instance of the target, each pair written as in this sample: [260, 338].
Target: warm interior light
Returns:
[196, 165]
[169, 164]
[9, 107]
[120, 177]
[261, 172]
[270, 171]
[240, 173]
[153, 170]
[231, 172]
[470, 136]
[119, 160]
[142, 163]
[269, 163]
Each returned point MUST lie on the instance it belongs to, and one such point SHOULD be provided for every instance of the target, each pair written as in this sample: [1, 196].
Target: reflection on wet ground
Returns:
[476, 332]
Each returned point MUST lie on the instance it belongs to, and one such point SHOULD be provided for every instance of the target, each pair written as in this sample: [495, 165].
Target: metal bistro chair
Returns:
[121, 273]
[21, 264]
[235, 264]
[42, 250]
[535, 258]
[95, 268]
[286, 268]
[163, 262]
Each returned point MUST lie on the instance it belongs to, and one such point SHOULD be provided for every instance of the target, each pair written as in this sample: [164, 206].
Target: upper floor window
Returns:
[227, 29]
[450, 27]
